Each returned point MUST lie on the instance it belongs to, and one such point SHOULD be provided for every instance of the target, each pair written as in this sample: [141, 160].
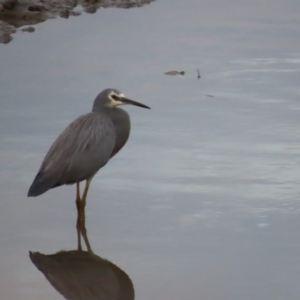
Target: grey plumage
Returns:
[86, 145]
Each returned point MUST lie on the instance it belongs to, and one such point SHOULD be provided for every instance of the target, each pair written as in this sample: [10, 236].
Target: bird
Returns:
[85, 146]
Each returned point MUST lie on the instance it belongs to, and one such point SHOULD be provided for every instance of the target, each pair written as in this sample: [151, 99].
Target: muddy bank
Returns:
[17, 13]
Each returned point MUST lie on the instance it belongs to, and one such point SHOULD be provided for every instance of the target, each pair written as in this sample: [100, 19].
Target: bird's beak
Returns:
[128, 101]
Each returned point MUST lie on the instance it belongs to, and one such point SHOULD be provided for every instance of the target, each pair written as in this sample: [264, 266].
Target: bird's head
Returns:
[111, 98]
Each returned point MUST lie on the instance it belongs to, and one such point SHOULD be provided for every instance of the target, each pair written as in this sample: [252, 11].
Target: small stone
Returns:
[38, 8]
[65, 13]
[5, 38]
[28, 29]
[91, 9]
[76, 13]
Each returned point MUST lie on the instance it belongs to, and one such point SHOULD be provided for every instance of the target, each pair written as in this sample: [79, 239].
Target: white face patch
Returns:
[113, 97]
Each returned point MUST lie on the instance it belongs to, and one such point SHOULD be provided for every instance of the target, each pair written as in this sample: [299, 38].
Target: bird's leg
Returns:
[86, 240]
[78, 227]
[79, 216]
[78, 200]
[87, 184]
[77, 191]
[84, 234]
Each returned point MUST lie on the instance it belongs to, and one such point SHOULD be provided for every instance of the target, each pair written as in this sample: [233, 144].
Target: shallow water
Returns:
[202, 203]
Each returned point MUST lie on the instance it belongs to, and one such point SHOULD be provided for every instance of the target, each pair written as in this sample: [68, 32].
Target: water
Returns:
[202, 203]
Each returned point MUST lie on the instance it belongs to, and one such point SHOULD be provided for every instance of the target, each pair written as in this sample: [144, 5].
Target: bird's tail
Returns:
[40, 185]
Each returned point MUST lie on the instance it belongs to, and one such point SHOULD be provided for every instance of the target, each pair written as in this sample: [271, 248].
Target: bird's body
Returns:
[86, 145]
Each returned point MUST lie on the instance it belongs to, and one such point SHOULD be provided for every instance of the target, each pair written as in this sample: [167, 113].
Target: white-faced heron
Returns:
[85, 146]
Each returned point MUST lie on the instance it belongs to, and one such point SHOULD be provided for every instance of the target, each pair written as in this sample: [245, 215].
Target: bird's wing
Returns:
[78, 153]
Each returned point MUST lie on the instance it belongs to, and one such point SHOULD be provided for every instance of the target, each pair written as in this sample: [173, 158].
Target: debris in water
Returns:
[175, 73]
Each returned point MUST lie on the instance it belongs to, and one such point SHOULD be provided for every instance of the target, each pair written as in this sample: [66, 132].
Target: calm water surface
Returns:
[203, 201]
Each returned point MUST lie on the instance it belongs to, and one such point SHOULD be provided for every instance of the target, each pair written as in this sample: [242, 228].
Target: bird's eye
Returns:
[115, 97]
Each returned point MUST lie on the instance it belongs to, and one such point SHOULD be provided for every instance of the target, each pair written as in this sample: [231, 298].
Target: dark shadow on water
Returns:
[83, 275]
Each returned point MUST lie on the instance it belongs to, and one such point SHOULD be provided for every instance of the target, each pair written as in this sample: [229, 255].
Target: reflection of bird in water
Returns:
[82, 275]
[85, 146]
